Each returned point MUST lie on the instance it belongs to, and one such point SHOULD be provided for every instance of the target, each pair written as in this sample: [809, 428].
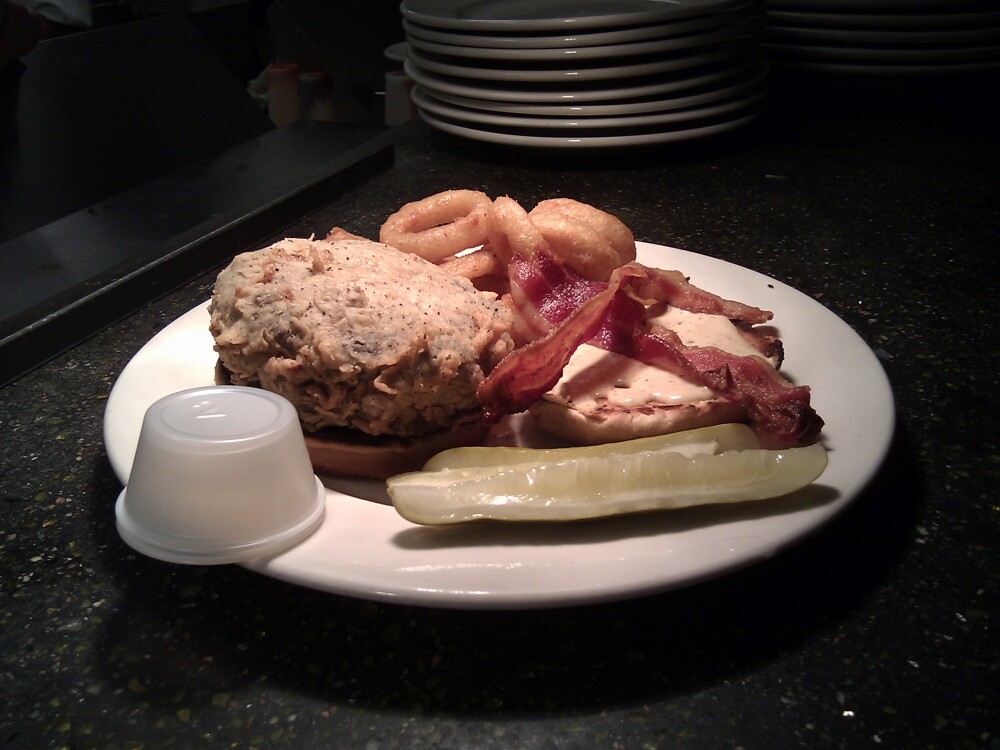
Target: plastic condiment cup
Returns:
[221, 475]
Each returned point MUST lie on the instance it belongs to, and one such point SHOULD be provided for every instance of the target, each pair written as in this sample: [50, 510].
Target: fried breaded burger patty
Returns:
[357, 335]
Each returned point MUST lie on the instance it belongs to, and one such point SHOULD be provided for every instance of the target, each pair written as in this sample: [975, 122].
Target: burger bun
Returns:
[610, 424]
[352, 453]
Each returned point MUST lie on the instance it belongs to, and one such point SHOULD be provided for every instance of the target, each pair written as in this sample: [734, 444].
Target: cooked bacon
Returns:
[569, 311]
[545, 292]
[674, 288]
[519, 381]
[574, 311]
[549, 289]
[781, 410]
[661, 347]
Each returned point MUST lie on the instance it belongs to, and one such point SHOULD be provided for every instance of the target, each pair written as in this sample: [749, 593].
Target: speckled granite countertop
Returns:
[879, 631]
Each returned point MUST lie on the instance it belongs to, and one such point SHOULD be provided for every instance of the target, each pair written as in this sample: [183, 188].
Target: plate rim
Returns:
[686, 80]
[683, 61]
[652, 13]
[736, 85]
[746, 29]
[590, 126]
[585, 141]
[800, 16]
[585, 38]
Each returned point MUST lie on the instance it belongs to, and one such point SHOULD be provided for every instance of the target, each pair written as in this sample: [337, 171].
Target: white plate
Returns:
[583, 39]
[684, 60]
[887, 56]
[901, 7]
[365, 549]
[950, 38]
[745, 30]
[606, 141]
[396, 52]
[892, 21]
[588, 125]
[522, 16]
[734, 86]
[598, 91]
[886, 69]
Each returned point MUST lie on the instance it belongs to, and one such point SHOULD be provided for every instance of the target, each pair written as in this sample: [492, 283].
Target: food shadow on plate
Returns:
[612, 528]
[372, 490]
[516, 430]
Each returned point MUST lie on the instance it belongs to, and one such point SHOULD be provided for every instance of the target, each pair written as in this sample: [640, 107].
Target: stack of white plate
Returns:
[884, 36]
[582, 74]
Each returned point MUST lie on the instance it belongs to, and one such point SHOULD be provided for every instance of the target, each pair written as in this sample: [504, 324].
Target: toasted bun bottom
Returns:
[334, 453]
[352, 453]
[612, 425]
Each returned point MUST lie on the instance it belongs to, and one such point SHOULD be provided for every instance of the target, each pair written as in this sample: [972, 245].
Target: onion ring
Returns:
[591, 241]
[438, 226]
[510, 232]
[473, 265]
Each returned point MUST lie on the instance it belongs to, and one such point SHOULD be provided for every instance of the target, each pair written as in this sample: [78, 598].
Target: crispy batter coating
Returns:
[357, 334]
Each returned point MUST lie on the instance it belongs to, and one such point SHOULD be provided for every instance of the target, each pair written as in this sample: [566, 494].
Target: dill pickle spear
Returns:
[715, 439]
[596, 486]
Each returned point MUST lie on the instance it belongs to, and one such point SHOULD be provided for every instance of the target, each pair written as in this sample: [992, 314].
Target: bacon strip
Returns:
[673, 287]
[548, 289]
[608, 317]
[780, 409]
[528, 372]
[573, 310]
[545, 292]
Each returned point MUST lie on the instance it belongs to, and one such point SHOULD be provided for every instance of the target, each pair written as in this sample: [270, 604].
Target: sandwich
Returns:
[390, 357]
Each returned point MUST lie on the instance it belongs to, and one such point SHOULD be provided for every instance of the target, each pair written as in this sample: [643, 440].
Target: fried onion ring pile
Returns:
[476, 237]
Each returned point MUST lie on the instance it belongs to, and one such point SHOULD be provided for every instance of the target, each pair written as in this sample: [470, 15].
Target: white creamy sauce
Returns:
[593, 373]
